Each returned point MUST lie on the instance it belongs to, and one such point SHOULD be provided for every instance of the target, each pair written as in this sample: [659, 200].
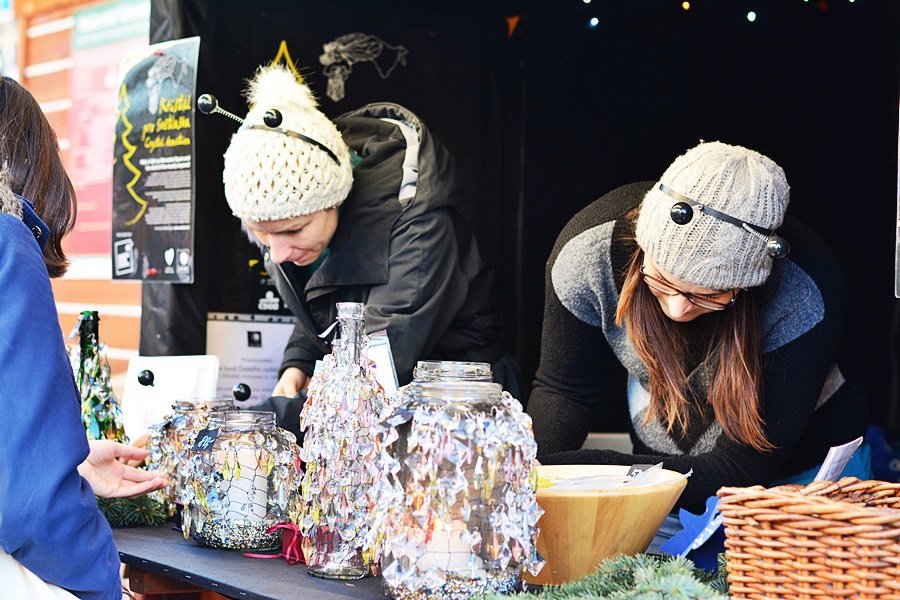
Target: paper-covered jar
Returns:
[244, 476]
[169, 442]
[456, 513]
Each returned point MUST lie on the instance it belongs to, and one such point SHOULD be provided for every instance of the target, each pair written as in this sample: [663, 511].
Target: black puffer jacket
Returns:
[402, 249]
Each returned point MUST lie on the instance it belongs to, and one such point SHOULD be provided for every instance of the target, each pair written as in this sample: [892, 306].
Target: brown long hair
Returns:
[734, 346]
[29, 154]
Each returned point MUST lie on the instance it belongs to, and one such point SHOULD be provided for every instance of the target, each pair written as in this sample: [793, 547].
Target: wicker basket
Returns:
[825, 540]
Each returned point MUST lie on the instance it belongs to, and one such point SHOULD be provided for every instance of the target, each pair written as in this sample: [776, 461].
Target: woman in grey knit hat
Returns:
[731, 345]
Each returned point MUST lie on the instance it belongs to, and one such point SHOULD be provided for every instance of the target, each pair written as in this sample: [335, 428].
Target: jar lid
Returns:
[449, 370]
[455, 390]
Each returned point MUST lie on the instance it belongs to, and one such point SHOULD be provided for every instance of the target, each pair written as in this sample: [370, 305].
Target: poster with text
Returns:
[100, 36]
[153, 175]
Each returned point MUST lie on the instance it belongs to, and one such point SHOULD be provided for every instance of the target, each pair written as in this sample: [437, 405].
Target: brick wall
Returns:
[44, 63]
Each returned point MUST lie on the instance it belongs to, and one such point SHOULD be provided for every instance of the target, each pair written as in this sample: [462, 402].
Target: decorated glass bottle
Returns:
[243, 475]
[456, 513]
[102, 418]
[343, 406]
[100, 410]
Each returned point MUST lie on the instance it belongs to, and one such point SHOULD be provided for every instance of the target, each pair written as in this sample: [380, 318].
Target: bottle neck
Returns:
[352, 324]
[349, 346]
[89, 333]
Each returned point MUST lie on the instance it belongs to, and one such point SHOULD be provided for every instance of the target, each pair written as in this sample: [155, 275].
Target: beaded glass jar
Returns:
[170, 440]
[244, 476]
[455, 514]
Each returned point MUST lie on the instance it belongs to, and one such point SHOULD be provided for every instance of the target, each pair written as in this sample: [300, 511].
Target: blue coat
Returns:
[49, 520]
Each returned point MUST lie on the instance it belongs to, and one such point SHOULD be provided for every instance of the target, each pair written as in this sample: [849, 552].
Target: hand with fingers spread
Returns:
[107, 470]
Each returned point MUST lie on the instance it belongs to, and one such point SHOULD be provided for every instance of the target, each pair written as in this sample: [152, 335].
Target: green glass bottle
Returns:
[100, 410]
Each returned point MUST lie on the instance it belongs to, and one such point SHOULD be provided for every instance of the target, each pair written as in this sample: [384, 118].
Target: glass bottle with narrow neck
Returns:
[343, 405]
[100, 409]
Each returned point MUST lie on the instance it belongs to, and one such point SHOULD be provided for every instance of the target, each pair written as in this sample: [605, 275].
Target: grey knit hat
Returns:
[297, 168]
[707, 251]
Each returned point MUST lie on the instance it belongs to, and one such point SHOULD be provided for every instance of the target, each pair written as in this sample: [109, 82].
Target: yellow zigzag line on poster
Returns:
[124, 105]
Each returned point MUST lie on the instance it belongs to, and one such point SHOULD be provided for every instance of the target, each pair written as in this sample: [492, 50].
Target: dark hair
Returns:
[735, 348]
[29, 153]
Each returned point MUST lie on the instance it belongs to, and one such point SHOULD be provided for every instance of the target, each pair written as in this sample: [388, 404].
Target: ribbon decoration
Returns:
[290, 544]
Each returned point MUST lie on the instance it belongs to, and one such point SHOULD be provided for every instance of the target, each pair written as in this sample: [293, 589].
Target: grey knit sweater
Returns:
[807, 402]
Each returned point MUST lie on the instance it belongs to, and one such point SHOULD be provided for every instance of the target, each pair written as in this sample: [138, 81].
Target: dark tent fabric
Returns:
[548, 115]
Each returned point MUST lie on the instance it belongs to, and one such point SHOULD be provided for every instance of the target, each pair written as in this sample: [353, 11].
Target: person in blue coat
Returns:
[50, 527]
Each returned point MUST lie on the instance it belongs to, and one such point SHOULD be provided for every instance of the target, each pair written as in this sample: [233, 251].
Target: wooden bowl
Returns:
[581, 528]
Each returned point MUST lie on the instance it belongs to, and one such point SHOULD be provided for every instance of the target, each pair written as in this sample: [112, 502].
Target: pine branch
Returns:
[640, 577]
[133, 512]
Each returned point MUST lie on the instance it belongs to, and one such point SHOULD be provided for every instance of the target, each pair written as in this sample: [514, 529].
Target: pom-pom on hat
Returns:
[707, 251]
[298, 167]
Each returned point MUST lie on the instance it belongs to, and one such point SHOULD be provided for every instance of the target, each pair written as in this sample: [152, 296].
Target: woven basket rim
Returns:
[817, 494]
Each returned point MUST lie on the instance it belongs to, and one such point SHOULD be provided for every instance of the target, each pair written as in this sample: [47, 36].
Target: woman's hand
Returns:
[292, 382]
[110, 476]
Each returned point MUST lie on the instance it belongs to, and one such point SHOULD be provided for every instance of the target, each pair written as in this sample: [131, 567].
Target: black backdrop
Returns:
[553, 115]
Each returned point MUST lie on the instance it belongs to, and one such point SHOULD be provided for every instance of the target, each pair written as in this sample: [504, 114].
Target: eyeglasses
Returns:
[703, 301]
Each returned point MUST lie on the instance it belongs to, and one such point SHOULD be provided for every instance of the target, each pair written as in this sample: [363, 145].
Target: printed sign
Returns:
[153, 192]
[249, 349]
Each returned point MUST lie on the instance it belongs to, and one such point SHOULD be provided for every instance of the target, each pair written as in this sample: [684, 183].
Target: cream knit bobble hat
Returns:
[269, 175]
[707, 252]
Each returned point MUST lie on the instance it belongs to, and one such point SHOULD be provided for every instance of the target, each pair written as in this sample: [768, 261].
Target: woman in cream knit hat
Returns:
[729, 331]
[360, 209]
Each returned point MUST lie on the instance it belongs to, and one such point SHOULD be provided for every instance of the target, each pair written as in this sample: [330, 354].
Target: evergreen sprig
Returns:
[640, 577]
[133, 512]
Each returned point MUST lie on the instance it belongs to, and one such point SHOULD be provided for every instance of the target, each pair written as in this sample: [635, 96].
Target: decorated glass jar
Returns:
[170, 440]
[244, 474]
[455, 514]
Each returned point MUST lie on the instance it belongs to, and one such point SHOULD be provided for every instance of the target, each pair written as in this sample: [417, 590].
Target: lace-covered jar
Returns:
[455, 514]
[170, 440]
[244, 476]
